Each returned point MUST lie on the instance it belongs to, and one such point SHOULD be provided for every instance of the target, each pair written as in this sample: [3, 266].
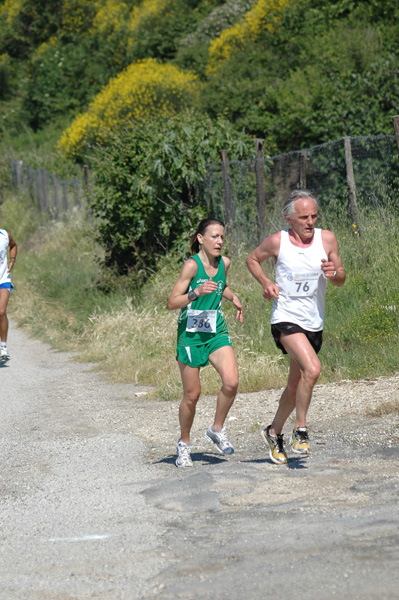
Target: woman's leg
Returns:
[191, 393]
[225, 363]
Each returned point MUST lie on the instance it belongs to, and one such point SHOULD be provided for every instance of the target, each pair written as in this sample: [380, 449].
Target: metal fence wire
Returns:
[349, 177]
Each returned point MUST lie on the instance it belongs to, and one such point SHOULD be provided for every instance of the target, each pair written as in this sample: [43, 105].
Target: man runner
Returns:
[305, 259]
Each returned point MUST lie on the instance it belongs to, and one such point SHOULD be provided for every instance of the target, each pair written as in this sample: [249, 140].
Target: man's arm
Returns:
[332, 268]
[269, 248]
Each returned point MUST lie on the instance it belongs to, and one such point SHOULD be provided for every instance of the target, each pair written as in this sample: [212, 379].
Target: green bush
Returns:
[6, 76]
[192, 49]
[330, 70]
[53, 71]
[155, 33]
[23, 29]
[148, 176]
[93, 51]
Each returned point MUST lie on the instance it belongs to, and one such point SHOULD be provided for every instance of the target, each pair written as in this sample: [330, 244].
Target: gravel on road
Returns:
[92, 505]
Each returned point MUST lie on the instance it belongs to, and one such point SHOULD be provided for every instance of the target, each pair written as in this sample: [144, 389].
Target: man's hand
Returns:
[328, 268]
[271, 291]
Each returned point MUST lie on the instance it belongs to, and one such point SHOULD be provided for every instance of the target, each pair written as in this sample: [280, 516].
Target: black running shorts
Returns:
[315, 337]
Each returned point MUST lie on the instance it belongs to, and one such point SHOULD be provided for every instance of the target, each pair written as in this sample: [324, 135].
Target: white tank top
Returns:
[302, 284]
[4, 274]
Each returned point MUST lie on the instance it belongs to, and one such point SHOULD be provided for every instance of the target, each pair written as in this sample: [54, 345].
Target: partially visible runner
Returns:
[305, 259]
[202, 335]
[5, 287]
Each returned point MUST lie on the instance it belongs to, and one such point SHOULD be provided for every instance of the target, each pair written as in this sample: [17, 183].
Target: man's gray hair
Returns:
[288, 208]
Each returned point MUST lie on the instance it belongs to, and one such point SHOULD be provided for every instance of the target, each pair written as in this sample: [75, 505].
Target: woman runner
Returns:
[202, 335]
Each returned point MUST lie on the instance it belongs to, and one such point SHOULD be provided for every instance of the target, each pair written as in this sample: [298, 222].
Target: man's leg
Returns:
[287, 400]
[4, 297]
[305, 369]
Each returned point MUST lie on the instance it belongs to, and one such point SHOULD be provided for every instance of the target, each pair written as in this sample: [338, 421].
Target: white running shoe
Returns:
[220, 439]
[183, 451]
[4, 353]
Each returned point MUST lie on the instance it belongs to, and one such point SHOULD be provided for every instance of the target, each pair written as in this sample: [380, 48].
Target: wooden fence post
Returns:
[19, 172]
[396, 128]
[56, 197]
[350, 180]
[43, 189]
[65, 196]
[260, 189]
[302, 169]
[75, 191]
[86, 174]
[228, 193]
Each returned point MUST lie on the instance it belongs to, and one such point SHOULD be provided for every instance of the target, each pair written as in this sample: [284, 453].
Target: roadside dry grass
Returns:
[131, 335]
[389, 407]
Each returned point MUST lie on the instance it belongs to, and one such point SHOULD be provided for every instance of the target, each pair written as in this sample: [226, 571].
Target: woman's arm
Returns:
[229, 295]
[179, 296]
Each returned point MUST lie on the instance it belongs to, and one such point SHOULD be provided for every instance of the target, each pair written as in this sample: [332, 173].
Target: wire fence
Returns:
[349, 176]
[51, 195]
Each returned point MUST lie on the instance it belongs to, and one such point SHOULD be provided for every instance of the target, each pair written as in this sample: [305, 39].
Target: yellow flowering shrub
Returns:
[147, 11]
[9, 10]
[115, 15]
[44, 47]
[77, 15]
[4, 60]
[144, 89]
[265, 15]
[110, 15]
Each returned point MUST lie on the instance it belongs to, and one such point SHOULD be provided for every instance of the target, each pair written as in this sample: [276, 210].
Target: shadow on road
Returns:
[202, 457]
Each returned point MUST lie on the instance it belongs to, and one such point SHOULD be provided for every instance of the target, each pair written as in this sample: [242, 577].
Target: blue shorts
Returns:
[198, 356]
[8, 285]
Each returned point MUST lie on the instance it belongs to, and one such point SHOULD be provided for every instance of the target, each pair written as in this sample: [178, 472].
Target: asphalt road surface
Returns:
[88, 512]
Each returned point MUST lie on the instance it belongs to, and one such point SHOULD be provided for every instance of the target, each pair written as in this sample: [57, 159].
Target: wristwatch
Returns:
[192, 295]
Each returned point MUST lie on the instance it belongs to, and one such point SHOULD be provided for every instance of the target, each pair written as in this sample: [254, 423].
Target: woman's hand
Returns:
[206, 288]
[238, 306]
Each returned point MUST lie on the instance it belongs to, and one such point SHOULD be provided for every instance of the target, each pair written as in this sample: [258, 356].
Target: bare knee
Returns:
[191, 397]
[230, 385]
[312, 372]
[3, 313]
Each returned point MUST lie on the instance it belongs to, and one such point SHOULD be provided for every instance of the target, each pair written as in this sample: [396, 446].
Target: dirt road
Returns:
[91, 505]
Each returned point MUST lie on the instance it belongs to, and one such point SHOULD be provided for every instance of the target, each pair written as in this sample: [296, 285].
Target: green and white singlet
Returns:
[203, 318]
